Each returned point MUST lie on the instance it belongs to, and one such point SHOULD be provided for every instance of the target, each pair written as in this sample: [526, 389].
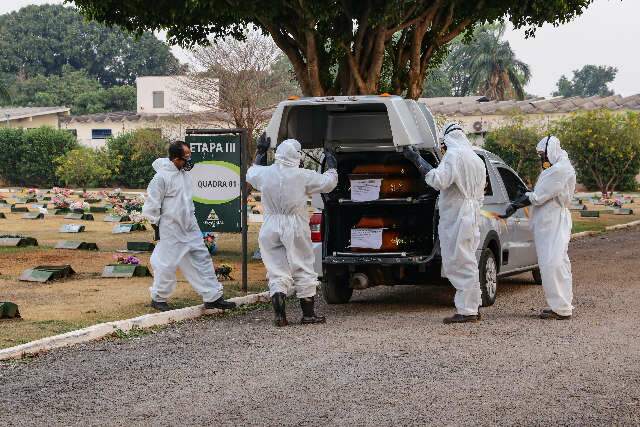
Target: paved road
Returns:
[385, 359]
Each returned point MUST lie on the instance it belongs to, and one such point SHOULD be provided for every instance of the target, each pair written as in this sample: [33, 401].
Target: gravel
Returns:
[384, 359]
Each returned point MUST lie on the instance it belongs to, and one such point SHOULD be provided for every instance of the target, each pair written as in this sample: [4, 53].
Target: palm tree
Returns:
[490, 65]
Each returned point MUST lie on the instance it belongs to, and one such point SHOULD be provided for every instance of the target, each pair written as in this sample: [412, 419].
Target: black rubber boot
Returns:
[460, 318]
[278, 300]
[160, 305]
[308, 312]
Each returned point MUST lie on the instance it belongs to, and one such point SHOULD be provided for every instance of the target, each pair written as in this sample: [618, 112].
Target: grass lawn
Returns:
[86, 298]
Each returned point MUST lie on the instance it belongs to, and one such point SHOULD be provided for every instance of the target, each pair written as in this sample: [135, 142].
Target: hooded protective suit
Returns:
[285, 238]
[551, 225]
[460, 178]
[169, 203]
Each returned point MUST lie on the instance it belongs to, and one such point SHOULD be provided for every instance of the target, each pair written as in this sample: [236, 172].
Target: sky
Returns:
[606, 34]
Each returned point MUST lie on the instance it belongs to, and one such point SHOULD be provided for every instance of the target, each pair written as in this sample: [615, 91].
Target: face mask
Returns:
[188, 164]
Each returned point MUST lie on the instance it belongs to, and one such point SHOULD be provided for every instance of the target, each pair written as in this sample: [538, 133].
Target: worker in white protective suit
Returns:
[285, 238]
[460, 178]
[169, 208]
[551, 225]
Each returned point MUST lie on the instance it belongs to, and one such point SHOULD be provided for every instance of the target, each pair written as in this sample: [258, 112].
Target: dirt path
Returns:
[384, 359]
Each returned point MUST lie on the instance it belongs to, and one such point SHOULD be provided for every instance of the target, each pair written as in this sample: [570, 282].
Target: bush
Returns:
[516, 144]
[85, 167]
[28, 155]
[604, 147]
[136, 150]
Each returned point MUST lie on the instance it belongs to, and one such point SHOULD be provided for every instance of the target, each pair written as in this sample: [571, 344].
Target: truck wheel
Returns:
[336, 291]
[537, 277]
[488, 277]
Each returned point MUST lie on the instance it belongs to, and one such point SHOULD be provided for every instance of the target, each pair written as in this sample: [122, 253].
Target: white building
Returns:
[32, 117]
[162, 102]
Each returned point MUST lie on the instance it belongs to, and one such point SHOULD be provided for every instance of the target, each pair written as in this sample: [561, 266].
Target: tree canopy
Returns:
[41, 40]
[336, 46]
[590, 80]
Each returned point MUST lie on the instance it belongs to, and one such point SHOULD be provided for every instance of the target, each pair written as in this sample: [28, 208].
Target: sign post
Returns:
[219, 183]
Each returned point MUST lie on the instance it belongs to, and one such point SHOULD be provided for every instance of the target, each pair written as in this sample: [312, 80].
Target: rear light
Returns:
[315, 224]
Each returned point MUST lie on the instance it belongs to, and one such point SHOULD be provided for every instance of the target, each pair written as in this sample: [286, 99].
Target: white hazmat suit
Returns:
[551, 225]
[169, 204]
[285, 237]
[460, 178]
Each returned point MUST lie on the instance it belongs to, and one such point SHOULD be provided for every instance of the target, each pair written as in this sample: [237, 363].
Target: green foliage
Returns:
[516, 143]
[28, 155]
[41, 40]
[74, 89]
[437, 84]
[604, 147]
[136, 150]
[86, 167]
[5, 96]
[590, 80]
[337, 47]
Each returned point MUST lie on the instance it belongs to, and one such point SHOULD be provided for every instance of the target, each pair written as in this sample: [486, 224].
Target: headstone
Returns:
[3, 202]
[17, 241]
[38, 206]
[590, 214]
[81, 216]
[46, 198]
[127, 228]
[61, 211]
[623, 211]
[71, 228]
[15, 208]
[9, 310]
[116, 218]
[2, 215]
[125, 270]
[44, 273]
[21, 200]
[33, 215]
[72, 244]
[92, 201]
[30, 200]
[140, 246]
[97, 209]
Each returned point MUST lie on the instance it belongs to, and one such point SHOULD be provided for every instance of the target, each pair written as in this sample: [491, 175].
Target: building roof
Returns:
[16, 113]
[468, 106]
[132, 116]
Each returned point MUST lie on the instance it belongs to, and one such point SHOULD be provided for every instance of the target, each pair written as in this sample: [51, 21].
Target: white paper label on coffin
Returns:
[366, 238]
[365, 190]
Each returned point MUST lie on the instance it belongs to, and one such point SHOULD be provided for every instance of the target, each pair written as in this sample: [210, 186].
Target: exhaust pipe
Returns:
[359, 281]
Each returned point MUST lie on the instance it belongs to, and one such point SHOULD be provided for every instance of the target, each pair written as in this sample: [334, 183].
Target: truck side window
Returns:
[512, 183]
[488, 191]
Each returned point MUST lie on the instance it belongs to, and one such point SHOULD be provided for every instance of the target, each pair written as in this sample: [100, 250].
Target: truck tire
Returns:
[336, 291]
[488, 277]
[537, 277]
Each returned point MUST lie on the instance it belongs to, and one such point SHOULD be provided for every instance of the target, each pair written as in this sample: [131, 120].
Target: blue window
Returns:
[100, 133]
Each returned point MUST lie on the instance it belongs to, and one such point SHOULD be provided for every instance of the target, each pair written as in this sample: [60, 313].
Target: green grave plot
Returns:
[116, 218]
[125, 270]
[81, 216]
[590, 214]
[76, 245]
[3, 202]
[128, 228]
[8, 240]
[61, 211]
[15, 208]
[140, 246]
[45, 273]
[97, 209]
[71, 228]
[9, 310]
[623, 211]
[33, 215]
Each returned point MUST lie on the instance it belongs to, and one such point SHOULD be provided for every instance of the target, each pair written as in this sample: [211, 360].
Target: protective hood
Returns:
[289, 153]
[164, 165]
[554, 152]
[455, 137]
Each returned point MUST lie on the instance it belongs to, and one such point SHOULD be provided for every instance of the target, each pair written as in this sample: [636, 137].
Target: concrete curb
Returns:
[609, 228]
[102, 330]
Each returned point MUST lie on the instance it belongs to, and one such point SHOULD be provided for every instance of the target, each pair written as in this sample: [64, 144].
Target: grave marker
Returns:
[81, 216]
[71, 228]
[61, 211]
[17, 241]
[33, 215]
[116, 218]
[75, 245]
[140, 246]
[125, 270]
[15, 208]
[127, 228]
[590, 214]
[44, 273]
[9, 310]
[97, 209]
[2, 215]
[623, 211]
